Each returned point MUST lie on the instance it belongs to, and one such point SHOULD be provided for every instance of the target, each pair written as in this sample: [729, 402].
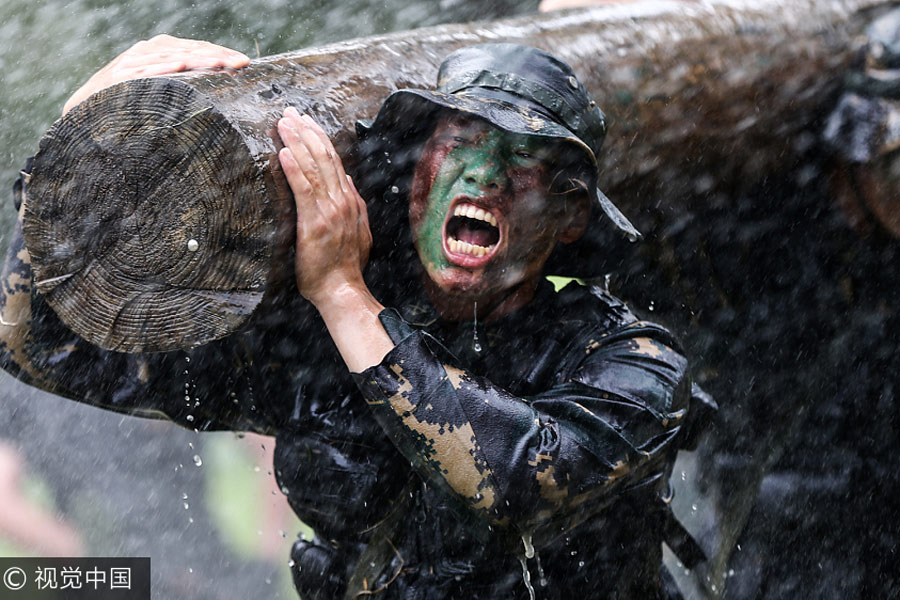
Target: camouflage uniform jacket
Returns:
[560, 432]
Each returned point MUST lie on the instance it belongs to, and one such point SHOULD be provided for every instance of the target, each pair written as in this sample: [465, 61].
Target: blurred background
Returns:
[787, 306]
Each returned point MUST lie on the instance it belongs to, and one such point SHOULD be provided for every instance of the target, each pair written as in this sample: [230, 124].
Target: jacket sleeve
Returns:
[37, 348]
[539, 464]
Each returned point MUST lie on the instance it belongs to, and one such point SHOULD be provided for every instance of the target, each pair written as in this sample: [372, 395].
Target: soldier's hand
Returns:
[160, 55]
[333, 236]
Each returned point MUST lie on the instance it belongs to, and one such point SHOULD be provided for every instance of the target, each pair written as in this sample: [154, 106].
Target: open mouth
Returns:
[471, 233]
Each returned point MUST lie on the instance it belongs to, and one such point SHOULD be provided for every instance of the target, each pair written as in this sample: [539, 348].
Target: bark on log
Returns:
[159, 219]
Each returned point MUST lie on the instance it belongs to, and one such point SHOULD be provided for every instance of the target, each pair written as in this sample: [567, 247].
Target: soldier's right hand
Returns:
[160, 55]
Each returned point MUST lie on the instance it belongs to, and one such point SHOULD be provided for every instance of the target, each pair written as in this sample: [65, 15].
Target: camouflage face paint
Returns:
[480, 210]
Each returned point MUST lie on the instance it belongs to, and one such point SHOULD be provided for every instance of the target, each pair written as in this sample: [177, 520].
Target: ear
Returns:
[579, 217]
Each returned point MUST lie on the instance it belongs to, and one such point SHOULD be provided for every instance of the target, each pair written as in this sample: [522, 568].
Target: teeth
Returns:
[473, 212]
[460, 247]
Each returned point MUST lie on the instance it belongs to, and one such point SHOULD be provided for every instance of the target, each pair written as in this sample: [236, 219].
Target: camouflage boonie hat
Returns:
[516, 88]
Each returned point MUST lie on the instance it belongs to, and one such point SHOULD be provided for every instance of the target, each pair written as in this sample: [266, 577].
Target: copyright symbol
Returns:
[14, 578]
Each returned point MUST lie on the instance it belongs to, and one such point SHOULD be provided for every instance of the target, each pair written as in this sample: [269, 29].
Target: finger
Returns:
[337, 164]
[289, 130]
[362, 213]
[154, 70]
[323, 154]
[300, 185]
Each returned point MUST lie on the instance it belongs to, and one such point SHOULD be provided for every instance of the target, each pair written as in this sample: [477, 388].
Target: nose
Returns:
[485, 172]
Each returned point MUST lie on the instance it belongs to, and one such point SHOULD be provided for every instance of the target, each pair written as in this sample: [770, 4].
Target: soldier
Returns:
[483, 435]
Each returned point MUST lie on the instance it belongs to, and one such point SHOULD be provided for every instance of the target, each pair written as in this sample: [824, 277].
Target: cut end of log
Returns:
[156, 262]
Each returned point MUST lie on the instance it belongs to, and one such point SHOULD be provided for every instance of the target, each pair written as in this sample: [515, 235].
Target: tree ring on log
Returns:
[113, 257]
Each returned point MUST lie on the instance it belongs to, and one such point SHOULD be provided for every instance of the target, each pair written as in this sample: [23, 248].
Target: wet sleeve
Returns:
[37, 348]
[542, 463]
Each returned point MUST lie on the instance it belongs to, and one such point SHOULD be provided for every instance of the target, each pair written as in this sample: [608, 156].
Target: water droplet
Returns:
[652, 306]
[395, 189]
[187, 359]
[198, 461]
[683, 476]
[529, 548]
[693, 507]
[191, 445]
[580, 564]
[268, 580]
[184, 496]
[632, 238]
[291, 563]
[186, 506]
[190, 570]
[731, 572]
[193, 245]
[526, 576]
[256, 469]
[190, 418]
[476, 345]
[190, 519]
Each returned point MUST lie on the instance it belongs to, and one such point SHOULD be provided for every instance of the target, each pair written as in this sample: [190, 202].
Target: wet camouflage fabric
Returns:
[571, 448]
[563, 428]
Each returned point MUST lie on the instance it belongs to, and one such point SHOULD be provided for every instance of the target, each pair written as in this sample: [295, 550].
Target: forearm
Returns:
[351, 314]
[528, 463]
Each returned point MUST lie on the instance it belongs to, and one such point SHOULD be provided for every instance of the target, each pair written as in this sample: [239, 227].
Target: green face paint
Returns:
[480, 211]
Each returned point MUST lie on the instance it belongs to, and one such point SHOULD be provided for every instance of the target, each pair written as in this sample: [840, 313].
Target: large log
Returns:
[158, 217]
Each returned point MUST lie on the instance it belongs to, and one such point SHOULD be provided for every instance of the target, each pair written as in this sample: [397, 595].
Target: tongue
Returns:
[479, 236]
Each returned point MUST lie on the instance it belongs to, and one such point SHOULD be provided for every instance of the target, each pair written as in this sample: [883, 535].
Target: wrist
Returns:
[341, 294]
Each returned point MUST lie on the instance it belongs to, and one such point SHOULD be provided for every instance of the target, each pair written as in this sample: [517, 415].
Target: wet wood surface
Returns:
[158, 217]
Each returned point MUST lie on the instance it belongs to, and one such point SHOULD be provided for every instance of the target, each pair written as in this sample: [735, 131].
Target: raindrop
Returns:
[683, 476]
[268, 581]
[197, 460]
[395, 189]
[191, 445]
[693, 508]
[186, 506]
[184, 496]
[187, 359]
[190, 519]
[580, 564]
[291, 563]
[542, 579]
[632, 238]
[190, 418]
[476, 345]
[652, 306]
[190, 570]
[731, 572]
